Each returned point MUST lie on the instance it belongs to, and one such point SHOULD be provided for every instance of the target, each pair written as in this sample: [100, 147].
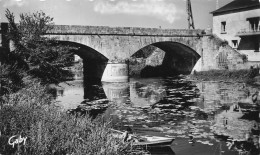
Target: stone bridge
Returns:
[105, 50]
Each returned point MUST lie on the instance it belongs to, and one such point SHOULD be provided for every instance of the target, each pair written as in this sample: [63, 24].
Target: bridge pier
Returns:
[116, 72]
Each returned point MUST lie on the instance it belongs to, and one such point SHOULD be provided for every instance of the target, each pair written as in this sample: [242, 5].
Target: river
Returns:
[206, 118]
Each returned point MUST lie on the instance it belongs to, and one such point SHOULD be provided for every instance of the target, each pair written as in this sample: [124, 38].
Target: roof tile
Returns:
[236, 5]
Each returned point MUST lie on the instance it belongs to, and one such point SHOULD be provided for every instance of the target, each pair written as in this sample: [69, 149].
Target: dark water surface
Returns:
[220, 117]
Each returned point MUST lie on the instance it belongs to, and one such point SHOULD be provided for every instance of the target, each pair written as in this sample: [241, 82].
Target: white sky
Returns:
[123, 13]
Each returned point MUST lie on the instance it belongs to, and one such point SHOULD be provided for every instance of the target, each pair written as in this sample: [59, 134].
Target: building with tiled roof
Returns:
[238, 23]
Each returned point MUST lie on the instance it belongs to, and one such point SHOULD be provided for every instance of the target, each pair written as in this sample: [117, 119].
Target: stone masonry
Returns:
[120, 43]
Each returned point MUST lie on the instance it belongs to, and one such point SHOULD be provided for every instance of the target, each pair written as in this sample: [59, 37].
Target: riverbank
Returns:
[30, 123]
[248, 76]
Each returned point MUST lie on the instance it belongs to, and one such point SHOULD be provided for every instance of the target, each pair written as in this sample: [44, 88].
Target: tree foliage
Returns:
[11, 78]
[46, 59]
[11, 72]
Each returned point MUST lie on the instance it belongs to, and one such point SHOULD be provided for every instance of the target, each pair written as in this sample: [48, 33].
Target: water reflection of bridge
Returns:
[117, 92]
[126, 93]
[72, 94]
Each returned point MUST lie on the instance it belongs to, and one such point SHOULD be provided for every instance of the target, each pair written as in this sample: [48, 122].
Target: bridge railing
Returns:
[136, 31]
[105, 30]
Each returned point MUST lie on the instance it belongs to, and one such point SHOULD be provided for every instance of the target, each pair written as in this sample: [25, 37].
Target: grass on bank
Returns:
[30, 112]
[245, 75]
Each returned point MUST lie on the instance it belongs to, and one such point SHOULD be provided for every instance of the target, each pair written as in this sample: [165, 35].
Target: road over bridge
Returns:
[105, 50]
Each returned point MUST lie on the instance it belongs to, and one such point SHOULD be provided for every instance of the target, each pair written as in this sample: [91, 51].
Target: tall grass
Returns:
[31, 113]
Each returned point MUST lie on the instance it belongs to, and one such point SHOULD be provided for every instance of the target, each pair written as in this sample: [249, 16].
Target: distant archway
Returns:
[94, 63]
[175, 59]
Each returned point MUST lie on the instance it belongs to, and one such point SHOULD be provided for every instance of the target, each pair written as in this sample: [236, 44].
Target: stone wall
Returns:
[156, 58]
[135, 31]
[216, 54]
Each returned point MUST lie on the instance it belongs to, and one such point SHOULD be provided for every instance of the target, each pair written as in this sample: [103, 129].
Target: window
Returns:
[223, 27]
[253, 23]
[234, 43]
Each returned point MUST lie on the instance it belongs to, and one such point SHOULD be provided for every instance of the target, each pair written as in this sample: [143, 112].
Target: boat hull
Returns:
[155, 143]
[147, 141]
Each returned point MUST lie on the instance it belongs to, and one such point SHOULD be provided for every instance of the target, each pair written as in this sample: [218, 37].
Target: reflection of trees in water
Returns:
[216, 95]
[234, 118]
[93, 91]
[148, 91]
[94, 102]
[245, 148]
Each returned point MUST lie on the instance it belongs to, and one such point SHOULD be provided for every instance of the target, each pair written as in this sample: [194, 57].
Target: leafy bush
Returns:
[244, 57]
[224, 43]
[10, 79]
[46, 58]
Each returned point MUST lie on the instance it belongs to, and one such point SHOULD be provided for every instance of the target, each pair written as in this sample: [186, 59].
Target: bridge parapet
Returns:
[129, 31]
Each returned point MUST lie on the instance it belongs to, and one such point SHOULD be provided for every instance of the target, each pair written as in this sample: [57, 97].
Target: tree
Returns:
[45, 57]
[11, 74]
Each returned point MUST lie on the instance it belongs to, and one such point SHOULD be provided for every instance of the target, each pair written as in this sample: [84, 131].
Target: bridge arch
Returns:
[177, 58]
[94, 63]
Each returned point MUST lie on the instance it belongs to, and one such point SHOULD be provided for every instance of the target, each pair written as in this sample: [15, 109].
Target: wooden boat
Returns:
[154, 141]
[148, 141]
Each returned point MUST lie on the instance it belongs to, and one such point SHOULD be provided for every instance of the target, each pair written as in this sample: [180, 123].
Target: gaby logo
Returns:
[16, 140]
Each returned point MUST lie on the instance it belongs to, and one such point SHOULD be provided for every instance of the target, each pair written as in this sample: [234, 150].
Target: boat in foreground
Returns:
[152, 141]
[148, 141]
